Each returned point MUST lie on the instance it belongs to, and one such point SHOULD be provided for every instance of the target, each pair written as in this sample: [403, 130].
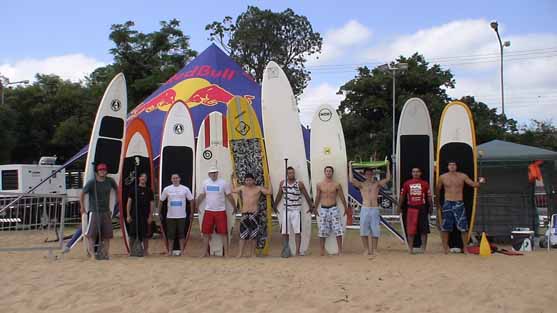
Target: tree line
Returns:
[53, 116]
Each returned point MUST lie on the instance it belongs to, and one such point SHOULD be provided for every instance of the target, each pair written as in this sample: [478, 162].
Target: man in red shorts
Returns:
[214, 190]
[415, 192]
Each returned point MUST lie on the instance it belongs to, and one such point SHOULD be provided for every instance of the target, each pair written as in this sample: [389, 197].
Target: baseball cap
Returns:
[213, 170]
[101, 166]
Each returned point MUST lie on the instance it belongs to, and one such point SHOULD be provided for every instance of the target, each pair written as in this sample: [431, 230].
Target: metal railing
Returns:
[27, 219]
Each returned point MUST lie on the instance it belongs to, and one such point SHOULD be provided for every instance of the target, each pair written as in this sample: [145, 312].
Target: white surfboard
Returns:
[213, 151]
[177, 154]
[414, 146]
[328, 148]
[284, 139]
[106, 143]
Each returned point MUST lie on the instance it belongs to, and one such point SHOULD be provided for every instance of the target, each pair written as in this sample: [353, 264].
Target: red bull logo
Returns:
[193, 92]
[204, 71]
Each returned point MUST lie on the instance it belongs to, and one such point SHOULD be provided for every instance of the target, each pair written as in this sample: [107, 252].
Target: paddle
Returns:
[286, 253]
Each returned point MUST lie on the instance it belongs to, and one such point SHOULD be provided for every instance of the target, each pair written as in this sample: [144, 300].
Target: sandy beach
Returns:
[392, 282]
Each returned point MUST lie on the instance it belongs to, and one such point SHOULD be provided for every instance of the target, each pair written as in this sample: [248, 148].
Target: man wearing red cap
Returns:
[100, 220]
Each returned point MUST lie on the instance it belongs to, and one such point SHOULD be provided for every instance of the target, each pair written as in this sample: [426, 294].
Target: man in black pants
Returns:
[139, 215]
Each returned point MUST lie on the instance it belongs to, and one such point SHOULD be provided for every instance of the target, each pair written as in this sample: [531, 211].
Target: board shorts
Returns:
[142, 228]
[454, 213]
[105, 226]
[294, 225]
[370, 222]
[249, 226]
[215, 221]
[330, 222]
[175, 228]
[417, 221]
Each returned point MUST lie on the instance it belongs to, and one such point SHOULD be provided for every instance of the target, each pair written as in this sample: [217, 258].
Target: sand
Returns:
[392, 282]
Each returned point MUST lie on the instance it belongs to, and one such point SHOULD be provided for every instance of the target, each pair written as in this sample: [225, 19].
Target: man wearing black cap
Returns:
[100, 219]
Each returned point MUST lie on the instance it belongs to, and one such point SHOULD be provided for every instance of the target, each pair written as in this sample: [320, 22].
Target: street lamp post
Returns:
[393, 69]
[502, 45]
[6, 82]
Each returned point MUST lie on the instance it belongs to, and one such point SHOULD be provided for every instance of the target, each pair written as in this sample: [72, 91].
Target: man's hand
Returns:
[129, 219]
[150, 220]
[481, 180]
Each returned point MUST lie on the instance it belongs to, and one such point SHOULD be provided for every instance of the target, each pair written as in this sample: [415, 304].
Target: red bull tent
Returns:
[205, 85]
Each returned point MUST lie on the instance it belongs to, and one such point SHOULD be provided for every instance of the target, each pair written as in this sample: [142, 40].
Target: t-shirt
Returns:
[215, 192]
[416, 191]
[144, 198]
[99, 194]
[177, 196]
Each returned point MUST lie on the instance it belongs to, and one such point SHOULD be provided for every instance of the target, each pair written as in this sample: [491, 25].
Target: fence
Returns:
[31, 221]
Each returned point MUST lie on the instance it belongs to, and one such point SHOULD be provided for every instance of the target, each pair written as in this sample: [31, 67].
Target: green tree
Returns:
[541, 134]
[146, 59]
[366, 111]
[260, 36]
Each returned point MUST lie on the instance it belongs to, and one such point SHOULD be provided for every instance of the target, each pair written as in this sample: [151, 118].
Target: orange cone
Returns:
[485, 248]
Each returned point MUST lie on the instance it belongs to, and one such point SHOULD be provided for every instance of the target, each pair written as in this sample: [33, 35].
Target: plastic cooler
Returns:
[522, 240]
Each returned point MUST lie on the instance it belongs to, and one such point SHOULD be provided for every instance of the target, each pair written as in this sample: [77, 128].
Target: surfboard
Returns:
[456, 140]
[284, 139]
[213, 151]
[248, 156]
[327, 148]
[106, 142]
[414, 148]
[177, 157]
[138, 158]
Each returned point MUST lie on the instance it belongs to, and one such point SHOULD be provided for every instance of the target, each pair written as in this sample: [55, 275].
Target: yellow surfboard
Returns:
[456, 141]
[247, 150]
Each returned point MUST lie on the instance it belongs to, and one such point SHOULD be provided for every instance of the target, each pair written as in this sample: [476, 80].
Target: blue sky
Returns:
[71, 37]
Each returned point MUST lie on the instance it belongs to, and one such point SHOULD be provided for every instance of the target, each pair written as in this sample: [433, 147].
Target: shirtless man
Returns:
[329, 215]
[369, 213]
[249, 225]
[453, 210]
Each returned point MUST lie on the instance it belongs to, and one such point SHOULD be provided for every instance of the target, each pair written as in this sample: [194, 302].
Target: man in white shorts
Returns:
[293, 202]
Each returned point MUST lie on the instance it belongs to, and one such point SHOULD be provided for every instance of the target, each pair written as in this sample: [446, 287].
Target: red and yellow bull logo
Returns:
[193, 91]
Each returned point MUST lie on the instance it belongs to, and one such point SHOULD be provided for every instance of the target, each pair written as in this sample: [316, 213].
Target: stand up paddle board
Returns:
[414, 148]
[105, 145]
[328, 148]
[248, 156]
[138, 159]
[457, 141]
[284, 139]
[177, 157]
[213, 151]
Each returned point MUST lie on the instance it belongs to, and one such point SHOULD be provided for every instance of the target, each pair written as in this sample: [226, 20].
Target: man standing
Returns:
[214, 191]
[249, 224]
[100, 216]
[139, 215]
[293, 200]
[415, 192]
[177, 195]
[329, 214]
[370, 218]
[453, 209]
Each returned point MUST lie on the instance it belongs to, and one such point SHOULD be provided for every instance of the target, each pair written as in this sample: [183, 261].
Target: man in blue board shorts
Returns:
[453, 210]
[100, 217]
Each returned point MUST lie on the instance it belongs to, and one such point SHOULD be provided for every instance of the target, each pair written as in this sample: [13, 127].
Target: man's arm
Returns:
[82, 203]
[200, 198]
[387, 178]
[304, 191]
[266, 191]
[354, 182]
[129, 210]
[150, 214]
[343, 200]
[317, 198]
[401, 200]
[470, 182]
[279, 195]
[231, 199]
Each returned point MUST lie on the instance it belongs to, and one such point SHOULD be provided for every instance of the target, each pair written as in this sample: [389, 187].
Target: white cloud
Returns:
[337, 41]
[70, 66]
[470, 49]
[313, 97]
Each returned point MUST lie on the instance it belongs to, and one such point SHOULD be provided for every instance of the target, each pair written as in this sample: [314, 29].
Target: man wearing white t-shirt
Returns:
[177, 195]
[214, 190]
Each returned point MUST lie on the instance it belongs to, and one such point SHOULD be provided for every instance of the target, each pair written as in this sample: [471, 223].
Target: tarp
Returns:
[499, 150]
[205, 85]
